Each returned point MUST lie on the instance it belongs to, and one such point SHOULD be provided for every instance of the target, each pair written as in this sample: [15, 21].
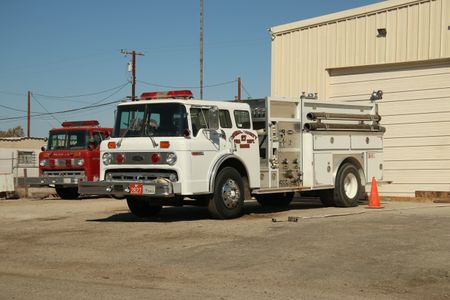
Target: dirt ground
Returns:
[95, 249]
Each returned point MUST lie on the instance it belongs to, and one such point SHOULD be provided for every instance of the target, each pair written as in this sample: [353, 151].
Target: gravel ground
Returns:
[55, 249]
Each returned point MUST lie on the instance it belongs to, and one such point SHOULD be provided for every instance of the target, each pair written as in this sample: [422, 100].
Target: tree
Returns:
[12, 132]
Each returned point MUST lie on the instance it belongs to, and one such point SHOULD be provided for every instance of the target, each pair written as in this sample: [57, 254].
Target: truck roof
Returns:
[81, 128]
[219, 104]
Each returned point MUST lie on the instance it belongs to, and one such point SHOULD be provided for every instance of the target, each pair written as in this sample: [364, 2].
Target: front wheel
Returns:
[142, 208]
[347, 189]
[67, 193]
[228, 198]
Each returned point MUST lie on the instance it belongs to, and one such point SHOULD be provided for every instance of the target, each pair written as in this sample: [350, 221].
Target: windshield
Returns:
[154, 120]
[64, 140]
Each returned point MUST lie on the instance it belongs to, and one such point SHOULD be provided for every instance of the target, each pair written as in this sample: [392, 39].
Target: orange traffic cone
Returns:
[374, 200]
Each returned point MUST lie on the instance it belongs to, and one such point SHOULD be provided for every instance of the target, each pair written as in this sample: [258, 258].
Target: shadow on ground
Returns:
[195, 213]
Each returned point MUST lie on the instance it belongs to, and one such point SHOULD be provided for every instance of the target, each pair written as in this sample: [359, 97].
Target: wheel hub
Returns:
[230, 193]
[350, 185]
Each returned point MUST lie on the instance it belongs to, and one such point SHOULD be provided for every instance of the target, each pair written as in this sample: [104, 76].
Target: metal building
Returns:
[401, 47]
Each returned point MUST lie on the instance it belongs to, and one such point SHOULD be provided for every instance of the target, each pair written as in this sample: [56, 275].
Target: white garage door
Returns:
[415, 109]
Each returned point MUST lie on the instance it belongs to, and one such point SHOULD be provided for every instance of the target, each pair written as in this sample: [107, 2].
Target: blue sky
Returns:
[71, 48]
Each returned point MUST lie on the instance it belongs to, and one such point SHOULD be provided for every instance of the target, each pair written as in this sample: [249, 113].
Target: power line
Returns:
[83, 95]
[11, 108]
[62, 111]
[94, 105]
[187, 87]
[38, 114]
[248, 94]
[13, 93]
[34, 98]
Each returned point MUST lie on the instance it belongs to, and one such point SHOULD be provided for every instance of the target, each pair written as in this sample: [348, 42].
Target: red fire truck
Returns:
[72, 153]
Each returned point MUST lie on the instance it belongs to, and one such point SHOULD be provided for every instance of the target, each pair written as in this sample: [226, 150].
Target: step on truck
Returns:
[72, 153]
[169, 149]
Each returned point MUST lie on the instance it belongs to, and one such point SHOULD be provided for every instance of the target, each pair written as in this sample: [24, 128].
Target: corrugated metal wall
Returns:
[415, 109]
[301, 52]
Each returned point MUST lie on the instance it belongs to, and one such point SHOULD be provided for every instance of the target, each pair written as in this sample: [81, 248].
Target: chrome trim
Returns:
[63, 173]
[47, 181]
[163, 188]
[138, 176]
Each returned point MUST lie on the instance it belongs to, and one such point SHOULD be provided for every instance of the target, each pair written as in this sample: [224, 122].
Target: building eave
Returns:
[342, 15]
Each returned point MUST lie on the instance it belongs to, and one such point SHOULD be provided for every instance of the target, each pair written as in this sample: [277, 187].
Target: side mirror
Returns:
[213, 118]
[43, 148]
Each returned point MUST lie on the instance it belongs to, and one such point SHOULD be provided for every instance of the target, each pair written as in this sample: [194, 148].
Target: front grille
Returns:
[140, 175]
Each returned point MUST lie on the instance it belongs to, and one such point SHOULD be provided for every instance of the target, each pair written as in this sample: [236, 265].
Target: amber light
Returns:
[155, 157]
[112, 145]
[164, 144]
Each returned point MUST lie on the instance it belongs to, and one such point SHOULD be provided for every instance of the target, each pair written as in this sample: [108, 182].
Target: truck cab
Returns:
[166, 148]
[72, 153]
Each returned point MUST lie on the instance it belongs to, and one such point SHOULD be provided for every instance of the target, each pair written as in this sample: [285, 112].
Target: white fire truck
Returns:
[168, 149]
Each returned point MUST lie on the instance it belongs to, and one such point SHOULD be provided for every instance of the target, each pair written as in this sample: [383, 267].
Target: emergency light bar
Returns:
[80, 123]
[180, 94]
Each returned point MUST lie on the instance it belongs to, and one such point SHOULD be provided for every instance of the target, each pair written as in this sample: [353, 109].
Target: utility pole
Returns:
[201, 49]
[239, 89]
[28, 114]
[133, 70]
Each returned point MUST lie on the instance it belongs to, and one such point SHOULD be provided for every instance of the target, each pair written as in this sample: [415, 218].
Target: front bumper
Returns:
[49, 181]
[159, 188]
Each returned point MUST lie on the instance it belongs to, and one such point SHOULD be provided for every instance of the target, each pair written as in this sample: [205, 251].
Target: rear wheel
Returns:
[278, 200]
[67, 193]
[228, 198]
[347, 188]
[142, 208]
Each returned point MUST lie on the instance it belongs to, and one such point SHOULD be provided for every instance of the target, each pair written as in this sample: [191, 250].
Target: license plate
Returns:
[136, 189]
[139, 189]
[149, 189]
[67, 180]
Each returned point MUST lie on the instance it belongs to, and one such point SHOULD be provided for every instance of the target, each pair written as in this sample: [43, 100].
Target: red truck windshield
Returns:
[70, 139]
[159, 119]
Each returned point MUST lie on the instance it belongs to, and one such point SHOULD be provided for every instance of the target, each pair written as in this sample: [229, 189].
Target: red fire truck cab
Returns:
[72, 154]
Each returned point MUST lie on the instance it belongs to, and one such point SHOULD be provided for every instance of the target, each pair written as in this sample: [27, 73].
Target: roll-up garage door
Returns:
[415, 109]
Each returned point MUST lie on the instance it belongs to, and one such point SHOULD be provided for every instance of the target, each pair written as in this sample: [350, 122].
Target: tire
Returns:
[347, 188]
[228, 199]
[277, 200]
[68, 193]
[142, 208]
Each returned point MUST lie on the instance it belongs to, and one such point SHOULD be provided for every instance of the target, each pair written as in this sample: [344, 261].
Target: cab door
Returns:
[205, 146]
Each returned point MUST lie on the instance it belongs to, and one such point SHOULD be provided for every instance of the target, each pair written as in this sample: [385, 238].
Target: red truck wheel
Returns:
[70, 193]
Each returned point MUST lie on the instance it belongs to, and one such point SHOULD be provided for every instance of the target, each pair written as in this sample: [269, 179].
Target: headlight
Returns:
[43, 163]
[106, 158]
[171, 158]
[108, 176]
[80, 162]
[173, 177]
